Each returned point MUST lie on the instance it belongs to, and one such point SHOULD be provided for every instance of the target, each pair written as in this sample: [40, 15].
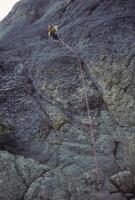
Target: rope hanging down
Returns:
[91, 131]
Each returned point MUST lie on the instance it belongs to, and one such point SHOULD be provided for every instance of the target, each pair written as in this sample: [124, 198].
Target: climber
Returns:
[52, 31]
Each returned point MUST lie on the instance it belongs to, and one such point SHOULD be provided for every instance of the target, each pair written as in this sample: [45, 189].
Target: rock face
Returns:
[17, 174]
[43, 113]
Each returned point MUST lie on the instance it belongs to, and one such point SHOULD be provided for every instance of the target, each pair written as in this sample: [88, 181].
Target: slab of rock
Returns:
[42, 97]
[124, 181]
[17, 174]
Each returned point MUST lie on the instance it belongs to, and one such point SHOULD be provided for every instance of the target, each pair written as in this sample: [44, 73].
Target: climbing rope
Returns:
[91, 131]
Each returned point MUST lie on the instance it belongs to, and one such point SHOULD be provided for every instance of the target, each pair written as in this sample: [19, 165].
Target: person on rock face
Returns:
[52, 32]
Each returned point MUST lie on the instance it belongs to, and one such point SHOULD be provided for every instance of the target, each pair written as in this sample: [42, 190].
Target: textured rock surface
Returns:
[17, 174]
[124, 181]
[42, 106]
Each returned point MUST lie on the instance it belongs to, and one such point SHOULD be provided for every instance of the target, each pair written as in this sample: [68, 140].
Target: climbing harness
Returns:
[91, 131]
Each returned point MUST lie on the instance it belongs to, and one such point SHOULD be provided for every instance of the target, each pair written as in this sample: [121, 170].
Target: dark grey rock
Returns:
[17, 174]
[43, 107]
[124, 181]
